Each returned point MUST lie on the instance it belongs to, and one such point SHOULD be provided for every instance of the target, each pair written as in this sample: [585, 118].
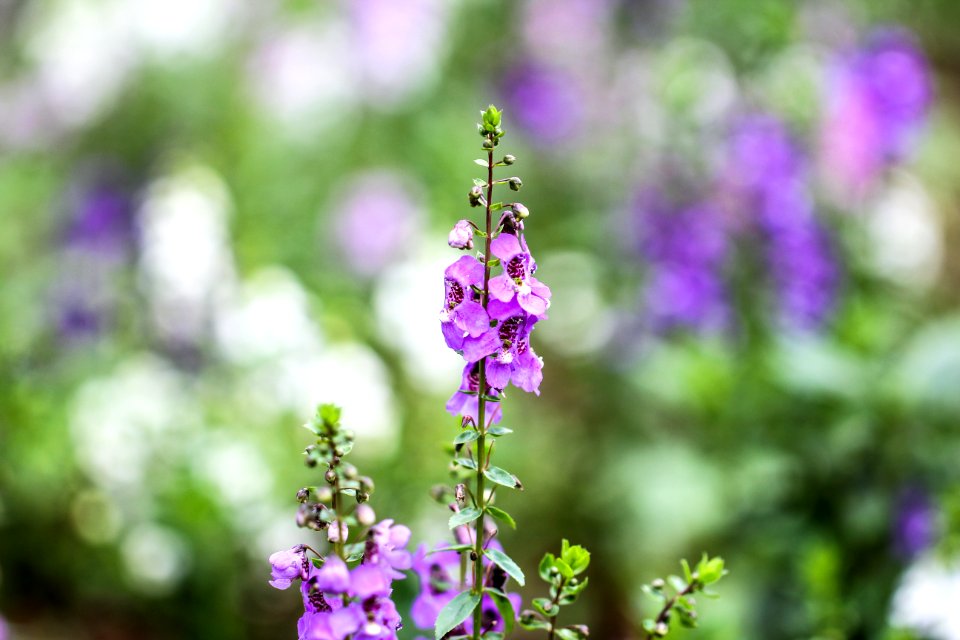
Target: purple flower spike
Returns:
[368, 581]
[517, 281]
[287, 566]
[461, 237]
[464, 322]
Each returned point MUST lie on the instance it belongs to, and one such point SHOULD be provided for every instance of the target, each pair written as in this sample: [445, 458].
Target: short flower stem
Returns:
[553, 618]
[665, 612]
[481, 410]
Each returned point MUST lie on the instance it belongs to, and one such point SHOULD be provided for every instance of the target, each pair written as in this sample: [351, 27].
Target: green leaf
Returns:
[686, 570]
[546, 563]
[505, 607]
[456, 611]
[501, 477]
[329, 413]
[453, 547]
[502, 515]
[497, 431]
[532, 623]
[546, 607]
[466, 436]
[710, 570]
[576, 556]
[479, 183]
[463, 517]
[570, 634]
[677, 583]
[466, 463]
[506, 563]
[570, 592]
[480, 161]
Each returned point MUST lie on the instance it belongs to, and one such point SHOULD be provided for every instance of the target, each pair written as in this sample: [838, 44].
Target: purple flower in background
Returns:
[386, 544]
[98, 240]
[686, 248]
[914, 526]
[544, 102]
[768, 176]
[467, 404]
[878, 99]
[333, 576]
[375, 221]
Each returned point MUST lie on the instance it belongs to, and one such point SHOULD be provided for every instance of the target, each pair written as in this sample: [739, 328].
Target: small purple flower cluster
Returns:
[498, 331]
[342, 603]
[879, 96]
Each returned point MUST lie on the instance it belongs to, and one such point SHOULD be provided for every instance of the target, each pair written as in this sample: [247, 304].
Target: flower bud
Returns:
[476, 193]
[461, 237]
[365, 515]
[515, 183]
[658, 584]
[461, 493]
[303, 494]
[366, 484]
[337, 531]
[349, 471]
[330, 476]
[520, 211]
[508, 159]
[324, 494]
[362, 496]
[661, 629]
[488, 144]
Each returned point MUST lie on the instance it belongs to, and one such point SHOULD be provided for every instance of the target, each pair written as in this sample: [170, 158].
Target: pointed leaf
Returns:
[501, 477]
[456, 611]
[463, 517]
[503, 516]
[505, 607]
[466, 436]
[506, 563]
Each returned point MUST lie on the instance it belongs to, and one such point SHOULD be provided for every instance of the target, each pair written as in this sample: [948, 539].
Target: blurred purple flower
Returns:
[685, 248]
[98, 239]
[286, 566]
[376, 221]
[878, 99]
[914, 526]
[544, 102]
[767, 174]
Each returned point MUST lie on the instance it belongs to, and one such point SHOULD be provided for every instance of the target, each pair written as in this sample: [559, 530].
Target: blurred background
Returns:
[216, 215]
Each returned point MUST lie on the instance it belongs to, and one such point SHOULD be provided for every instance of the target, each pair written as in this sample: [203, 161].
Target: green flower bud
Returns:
[508, 159]
[330, 476]
[515, 184]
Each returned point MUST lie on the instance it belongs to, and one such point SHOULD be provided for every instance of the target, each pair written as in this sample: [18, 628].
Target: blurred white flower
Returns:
[155, 557]
[926, 600]
[580, 321]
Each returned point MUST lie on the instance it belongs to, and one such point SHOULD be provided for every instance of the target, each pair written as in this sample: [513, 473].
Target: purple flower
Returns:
[878, 98]
[514, 361]
[686, 248]
[914, 527]
[375, 221]
[464, 322]
[333, 576]
[769, 177]
[438, 573]
[517, 281]
[461, 236]
[286, 566]
[464, 402]
[386, 545]
[545, 102]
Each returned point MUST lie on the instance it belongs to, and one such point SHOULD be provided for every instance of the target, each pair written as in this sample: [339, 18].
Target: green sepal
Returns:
[546, 563]
[456, 611]
[502, 515]
[576, 556]
[463, 517]
[506, 563]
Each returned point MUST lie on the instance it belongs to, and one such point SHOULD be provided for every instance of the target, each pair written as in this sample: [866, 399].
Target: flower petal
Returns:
[471, 317]
[505, 246]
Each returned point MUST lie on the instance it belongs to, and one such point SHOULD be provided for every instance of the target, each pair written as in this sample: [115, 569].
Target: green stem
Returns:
[553, 619]
[481, 410]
